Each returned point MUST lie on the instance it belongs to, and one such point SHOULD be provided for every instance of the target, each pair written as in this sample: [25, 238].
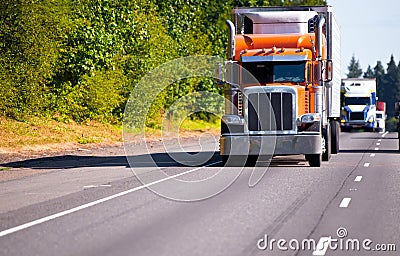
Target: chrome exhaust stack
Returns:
[231, 44]
[319, 90]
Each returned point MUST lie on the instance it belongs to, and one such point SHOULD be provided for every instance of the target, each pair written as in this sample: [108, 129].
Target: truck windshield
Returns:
[270, 72]
[357, 101]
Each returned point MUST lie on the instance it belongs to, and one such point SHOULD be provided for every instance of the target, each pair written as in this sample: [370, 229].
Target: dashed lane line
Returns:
[345, 202]
[358, 178]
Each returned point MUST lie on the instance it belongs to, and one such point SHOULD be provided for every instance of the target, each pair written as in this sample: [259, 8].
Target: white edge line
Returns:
[358, 178]
[99, 201]
[345, 202]
[383, 135]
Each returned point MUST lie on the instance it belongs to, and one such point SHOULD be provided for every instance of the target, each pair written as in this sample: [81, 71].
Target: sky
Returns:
[370, 30]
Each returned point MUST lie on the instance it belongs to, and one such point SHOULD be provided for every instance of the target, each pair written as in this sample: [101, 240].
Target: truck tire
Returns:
[326, 133]
[314, 160]
[335, 137]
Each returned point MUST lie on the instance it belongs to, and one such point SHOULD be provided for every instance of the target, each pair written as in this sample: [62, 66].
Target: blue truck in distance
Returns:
[358, 104]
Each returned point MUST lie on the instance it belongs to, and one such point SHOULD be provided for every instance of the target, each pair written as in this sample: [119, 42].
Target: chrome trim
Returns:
[318, 34]
[231, 36]
[273, 58]
[303, 143]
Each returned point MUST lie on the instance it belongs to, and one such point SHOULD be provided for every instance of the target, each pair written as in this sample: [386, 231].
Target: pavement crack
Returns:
[278, 222]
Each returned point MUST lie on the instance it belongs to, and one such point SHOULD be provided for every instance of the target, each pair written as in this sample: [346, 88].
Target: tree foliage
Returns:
[369, 73]
[354, 68]
[80, 59]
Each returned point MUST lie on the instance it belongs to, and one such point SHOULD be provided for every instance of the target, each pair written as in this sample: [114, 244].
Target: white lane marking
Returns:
[90, 186]
[380, 140]
[84, 206]
[378, 144]
[322, 246]
[372, 155]
[358, 179]
[366, 164]
[96, 186]
[376, 148]
[383, 135]
[345, 202]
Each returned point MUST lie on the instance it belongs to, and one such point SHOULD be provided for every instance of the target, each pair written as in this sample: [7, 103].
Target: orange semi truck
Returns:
[282, 84]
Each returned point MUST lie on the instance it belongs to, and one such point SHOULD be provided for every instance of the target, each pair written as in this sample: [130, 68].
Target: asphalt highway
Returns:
[97, 206]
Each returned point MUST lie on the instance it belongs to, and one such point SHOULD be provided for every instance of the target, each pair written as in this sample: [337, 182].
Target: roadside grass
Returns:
[200, 125]
[35, 133]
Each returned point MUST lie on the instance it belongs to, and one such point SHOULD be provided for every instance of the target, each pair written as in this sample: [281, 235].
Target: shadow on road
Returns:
[147, 160]
[189, 159]
[380, 151]
[372, 138]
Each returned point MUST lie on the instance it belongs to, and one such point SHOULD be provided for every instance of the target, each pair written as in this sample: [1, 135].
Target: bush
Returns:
[391, 124]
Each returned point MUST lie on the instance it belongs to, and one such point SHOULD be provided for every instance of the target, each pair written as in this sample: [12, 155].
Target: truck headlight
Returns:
[233, 119]
[309, 122]
[310, 118]
[232, 124]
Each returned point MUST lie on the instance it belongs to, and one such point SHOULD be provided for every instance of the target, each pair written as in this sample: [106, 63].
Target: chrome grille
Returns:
[359, 116]
[270, 111]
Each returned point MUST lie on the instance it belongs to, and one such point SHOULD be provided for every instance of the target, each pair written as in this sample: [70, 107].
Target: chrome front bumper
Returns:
[287, 144]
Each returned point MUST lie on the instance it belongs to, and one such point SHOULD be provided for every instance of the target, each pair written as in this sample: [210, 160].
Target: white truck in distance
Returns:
[358, 104]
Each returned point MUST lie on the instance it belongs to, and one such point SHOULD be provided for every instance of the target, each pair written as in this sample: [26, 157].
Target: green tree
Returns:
[30, 33]
[369, 73]
[379, 73]
[391, 85]
[354, 68]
